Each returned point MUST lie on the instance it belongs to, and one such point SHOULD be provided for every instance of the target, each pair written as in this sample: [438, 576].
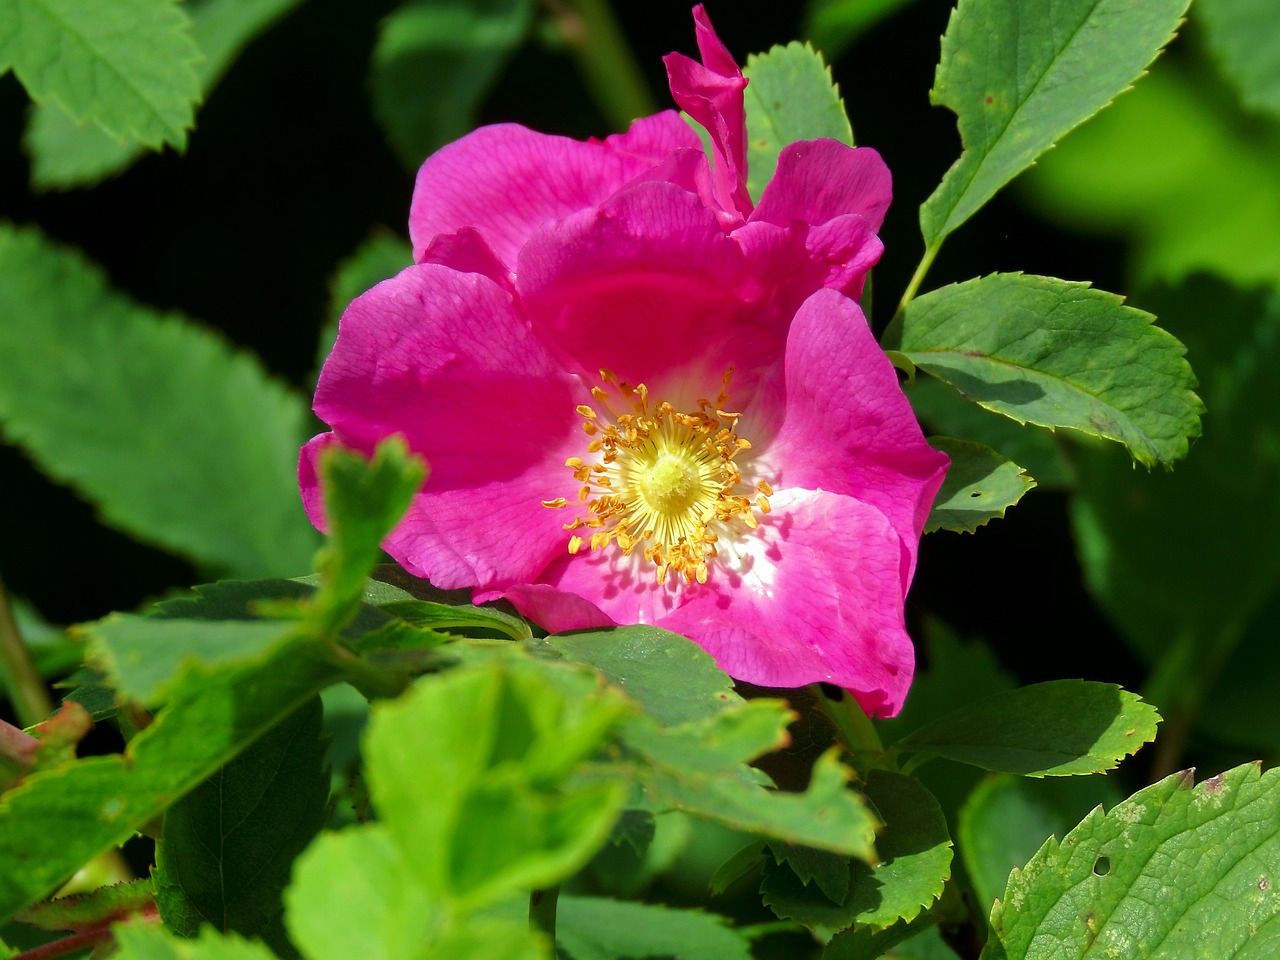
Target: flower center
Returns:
[663, 481]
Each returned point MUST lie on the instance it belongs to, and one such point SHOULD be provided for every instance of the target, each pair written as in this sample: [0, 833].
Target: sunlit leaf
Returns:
[980, 485]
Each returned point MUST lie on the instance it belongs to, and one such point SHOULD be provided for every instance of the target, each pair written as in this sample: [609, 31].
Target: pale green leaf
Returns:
[127, 65]
[980, 485]
[141, 941]
[1242, 35]
[593, 928]
[1019, 76]
[177, 438]
[66, 154]
[791, 97]
[434, 61]
[1057, 354]
[1179, 870]
[1054, 729]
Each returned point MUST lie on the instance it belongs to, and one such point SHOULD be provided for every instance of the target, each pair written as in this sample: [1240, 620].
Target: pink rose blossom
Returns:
[644, 399]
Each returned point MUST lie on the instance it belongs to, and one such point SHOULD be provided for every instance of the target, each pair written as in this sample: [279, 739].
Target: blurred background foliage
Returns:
[129, 473]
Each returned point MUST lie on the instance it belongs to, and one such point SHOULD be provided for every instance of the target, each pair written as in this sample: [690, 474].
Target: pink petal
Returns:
[819, 599]
[818, 180]
[648, 285]
[443, 359]
[711, 93]
[848, 427]
[552, 609]
[505, 180]
[467, 251]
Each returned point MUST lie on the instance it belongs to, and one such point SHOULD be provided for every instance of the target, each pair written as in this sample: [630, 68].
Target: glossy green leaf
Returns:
[673, 678]
[1006, 819]
[92, 384]
[913, 862]
[451, 48]
[733, 736]
[1241, 34]
[66, 154]
[467, 774]
[980, 485]
[1054, 729]
[139, 941]
[944, 412]
[1177, 870]
[791, 97]
[228, 846]
[128, 66]
[1056, 354]
[593, 928]
[1019, 77]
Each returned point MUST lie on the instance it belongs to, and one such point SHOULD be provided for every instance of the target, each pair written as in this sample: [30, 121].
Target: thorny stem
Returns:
[542, 911]
[598, 45]
[855, 728]
[30, 698]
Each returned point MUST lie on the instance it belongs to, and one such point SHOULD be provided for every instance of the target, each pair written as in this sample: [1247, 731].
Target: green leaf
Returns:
[228, 846]
[380, 256]
[484, 811]
[943, 411]
[980, 485]
[1240, 34]
[733, 736]
[138, 941]
[673, 678]
[1055, 729]
[452, 48]
[463, 619]
[828, 814]
[1006, 820]
[791, 97]
[1019, 79]
[917, 940]
[593, 928]
[92, 385]
[1174, 871]
[1056, 354]
[66, 154]
[128, 65]
[914, 861]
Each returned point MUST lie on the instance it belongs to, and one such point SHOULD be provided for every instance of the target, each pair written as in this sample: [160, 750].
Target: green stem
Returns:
[855, 728]
[542, 911]
[27, 692]
[918, 277]
[613, 76]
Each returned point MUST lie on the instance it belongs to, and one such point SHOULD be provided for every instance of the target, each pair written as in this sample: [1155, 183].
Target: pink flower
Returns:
[644, 400]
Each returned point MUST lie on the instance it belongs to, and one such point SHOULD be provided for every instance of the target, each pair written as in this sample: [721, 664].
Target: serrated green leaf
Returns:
[128, 66]
[454, 48]
[1006, 819]
[66, 154]
[791, 97]
[92, 385]
[467, 772]
[1018, 79]
[1175, 871]
[79, 910]
[1241, 35]
[917, 940]
[944, 412]
[735, 735]
[228, 846]
[139, 941]
[827, 815]
[381, 255]
[980, 485]
[593, 928]
[1056, 354]
[673, 678]
[829, 872]
[1055, 729]
[914, 861]
[464, 620]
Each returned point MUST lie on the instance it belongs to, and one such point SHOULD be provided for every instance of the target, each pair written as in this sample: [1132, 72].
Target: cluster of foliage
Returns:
[353, 763]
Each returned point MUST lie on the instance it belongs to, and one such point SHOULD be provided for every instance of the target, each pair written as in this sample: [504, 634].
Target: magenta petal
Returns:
[309, 479]
[505, 180]
[819, 599]
[648, 286]
[550, 608]
[711, 93]
[848, 427]
[443, 359]
[818, 180]
[467, 251]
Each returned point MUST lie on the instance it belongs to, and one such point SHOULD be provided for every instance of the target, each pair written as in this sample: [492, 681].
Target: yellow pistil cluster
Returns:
[661, 481]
